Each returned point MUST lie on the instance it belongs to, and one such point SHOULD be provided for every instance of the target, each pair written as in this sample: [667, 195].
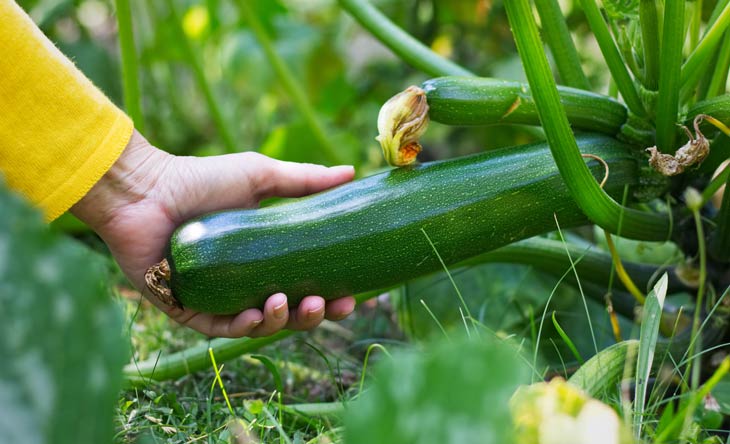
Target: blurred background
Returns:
[345, 73]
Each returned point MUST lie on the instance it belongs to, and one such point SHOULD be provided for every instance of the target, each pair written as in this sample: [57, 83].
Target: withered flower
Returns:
[401, 122]
[693, 152]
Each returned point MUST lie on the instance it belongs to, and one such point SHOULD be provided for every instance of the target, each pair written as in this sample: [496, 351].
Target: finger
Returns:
[339, 309]
[276, 315]
[225, 326]
[291, 179]
[308, 314]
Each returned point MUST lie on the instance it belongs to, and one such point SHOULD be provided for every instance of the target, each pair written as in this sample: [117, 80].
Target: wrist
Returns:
[130, 180]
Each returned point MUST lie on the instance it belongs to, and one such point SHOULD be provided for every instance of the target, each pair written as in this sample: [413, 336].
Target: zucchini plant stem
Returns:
[612, 56]
[702, 54]
[130, 82]
[562, 47]
[400, 42]
[650, 41]
[595, 203]
[669, 76]
[191, 57]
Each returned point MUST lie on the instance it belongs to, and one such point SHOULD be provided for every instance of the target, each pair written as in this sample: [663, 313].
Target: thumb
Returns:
[291, 179]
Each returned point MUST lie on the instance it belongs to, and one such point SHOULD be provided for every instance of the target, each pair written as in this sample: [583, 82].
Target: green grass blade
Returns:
[651, 319]
[569, 342]
[557, 36]
[453, 283]
[650, 41]
[597, 205]
[669, 76]
[290, 83]
[130, 82]
[612, 56]
[400, 42]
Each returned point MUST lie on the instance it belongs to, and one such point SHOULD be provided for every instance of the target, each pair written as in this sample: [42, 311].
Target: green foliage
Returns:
[60, 335]
[451, 392]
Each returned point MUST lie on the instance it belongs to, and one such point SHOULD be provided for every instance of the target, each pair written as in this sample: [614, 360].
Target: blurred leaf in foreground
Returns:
[60, 335]
[450, 392]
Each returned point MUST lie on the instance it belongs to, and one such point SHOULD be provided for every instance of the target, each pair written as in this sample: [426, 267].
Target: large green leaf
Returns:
[451, 392]
[60, 335]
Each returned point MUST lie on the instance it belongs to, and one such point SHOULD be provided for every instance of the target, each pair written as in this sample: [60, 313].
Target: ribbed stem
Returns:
[557, 36]
[612, 56]
[669, 75]
[130, 83]
[291, 85]
[550, 256]
[650, 40]
[400, 42]
[595, 203]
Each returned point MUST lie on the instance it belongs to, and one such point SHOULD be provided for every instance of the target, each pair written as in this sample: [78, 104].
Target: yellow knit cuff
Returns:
[97, 164]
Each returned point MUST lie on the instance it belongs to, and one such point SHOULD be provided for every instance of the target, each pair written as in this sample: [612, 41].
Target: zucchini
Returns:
[484, 101]
[369, 234]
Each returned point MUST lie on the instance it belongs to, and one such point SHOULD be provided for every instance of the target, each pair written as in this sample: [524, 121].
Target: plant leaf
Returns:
[60, 335]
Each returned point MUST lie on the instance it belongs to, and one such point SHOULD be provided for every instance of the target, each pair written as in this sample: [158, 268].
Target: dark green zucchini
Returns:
[369, 234]
[485, 101]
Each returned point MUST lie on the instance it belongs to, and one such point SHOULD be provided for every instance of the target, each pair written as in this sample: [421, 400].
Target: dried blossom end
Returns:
[401, 122]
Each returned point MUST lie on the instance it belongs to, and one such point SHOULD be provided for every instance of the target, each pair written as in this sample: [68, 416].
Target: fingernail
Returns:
[280, 310]
[338, 168]
[315, 313]
[256, 322]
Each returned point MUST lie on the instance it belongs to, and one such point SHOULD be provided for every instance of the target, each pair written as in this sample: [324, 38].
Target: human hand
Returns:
[148, 193]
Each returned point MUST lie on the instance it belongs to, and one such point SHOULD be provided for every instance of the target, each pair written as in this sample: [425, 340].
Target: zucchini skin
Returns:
[367, 234]
[484, 101]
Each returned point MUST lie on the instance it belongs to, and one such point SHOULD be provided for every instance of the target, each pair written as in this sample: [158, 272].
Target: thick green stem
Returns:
[201, 79]
[400, 42]
[612, 56]
[718, 82]
[591, 264]
[130, 82]
[650, 40]
[702, 54]
[485, 101]
[595, 203]
[194, 359]
[291, 85]
[669, 83]
[720, 244]
[557, 36]
[175, 365]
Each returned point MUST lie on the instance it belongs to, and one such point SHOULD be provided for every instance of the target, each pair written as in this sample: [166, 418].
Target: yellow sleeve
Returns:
[58, 133]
